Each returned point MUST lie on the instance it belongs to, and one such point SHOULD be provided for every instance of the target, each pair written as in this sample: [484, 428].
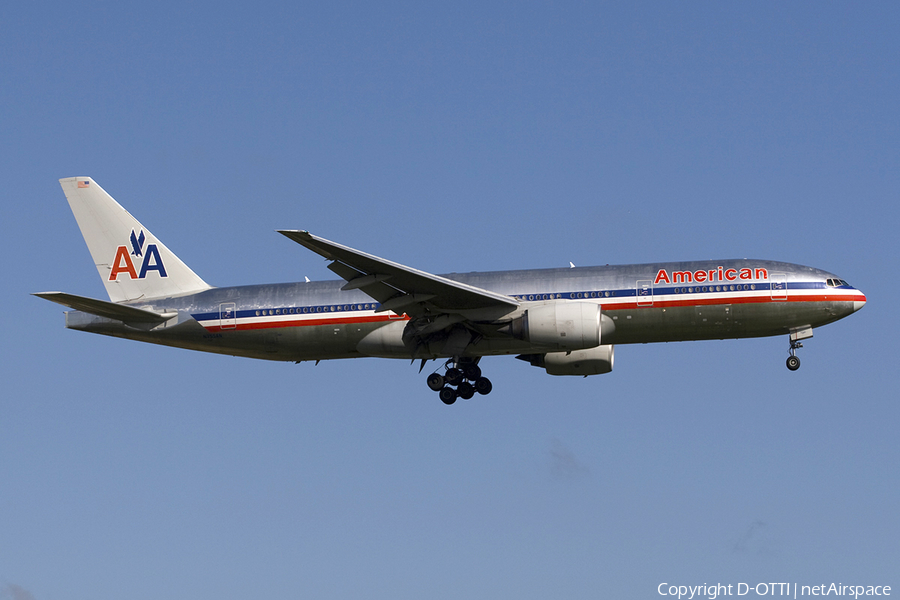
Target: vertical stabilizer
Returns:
[133, 264]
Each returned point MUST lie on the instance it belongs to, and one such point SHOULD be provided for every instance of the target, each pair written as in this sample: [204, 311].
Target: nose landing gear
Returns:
[462, 379]
[793, 363]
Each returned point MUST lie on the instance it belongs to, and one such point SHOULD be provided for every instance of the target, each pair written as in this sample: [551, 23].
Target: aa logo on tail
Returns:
[150, 259]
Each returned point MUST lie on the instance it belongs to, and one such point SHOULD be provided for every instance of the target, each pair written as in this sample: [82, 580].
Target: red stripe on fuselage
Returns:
[657, 303]
[306, 323]
[767, 299]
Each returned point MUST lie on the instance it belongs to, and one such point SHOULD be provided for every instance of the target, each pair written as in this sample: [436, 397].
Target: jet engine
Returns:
[591, 361]
[560, 325]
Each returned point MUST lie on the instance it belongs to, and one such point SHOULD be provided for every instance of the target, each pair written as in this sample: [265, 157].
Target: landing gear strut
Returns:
[462, 379]
[793, 363]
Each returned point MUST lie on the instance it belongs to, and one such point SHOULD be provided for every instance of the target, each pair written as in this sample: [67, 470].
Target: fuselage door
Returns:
[227, 317]
[644, 291]
[779, 286]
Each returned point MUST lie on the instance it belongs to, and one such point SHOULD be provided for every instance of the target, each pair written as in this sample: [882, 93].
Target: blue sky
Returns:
[449, 137]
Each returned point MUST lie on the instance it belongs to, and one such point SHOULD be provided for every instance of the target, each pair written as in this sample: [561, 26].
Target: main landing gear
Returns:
[462, 379]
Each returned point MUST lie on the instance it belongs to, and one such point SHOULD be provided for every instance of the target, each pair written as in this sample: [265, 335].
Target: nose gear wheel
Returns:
[793, 363]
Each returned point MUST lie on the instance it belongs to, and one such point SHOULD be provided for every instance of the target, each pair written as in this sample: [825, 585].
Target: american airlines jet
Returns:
[566, 320]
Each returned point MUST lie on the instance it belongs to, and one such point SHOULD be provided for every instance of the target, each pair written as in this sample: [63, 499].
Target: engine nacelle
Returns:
[591, 361]
[560, 325]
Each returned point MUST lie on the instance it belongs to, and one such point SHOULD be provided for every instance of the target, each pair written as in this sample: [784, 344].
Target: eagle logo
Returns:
[137, 243]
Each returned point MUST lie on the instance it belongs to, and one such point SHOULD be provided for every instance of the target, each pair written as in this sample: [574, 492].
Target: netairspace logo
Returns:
[793, 590]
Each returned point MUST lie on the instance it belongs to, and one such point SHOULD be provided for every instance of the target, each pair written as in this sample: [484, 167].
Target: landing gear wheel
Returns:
[483, 386]
[453, 376]
[466, 390]
[448, 395]
[435, 381]
[793, 363]
[471, 371]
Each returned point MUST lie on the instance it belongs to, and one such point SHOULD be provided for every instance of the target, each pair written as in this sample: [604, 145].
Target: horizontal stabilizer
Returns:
[109, 310]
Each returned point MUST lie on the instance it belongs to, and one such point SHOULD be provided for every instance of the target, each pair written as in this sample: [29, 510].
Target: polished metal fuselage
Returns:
[660, 302]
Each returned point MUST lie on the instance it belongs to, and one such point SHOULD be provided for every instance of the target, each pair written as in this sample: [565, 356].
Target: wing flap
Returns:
[364, 281]
[372, 284]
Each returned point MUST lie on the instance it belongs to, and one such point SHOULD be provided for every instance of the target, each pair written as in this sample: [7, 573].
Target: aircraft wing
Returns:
[109, 310]
[400, 288]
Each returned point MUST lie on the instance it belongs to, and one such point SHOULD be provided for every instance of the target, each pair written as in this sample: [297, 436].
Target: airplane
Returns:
[564, 320]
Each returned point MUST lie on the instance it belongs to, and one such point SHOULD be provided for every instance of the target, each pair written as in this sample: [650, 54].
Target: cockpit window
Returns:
[836, 283]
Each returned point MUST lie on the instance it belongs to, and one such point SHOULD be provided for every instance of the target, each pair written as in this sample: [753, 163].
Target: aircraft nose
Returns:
[859, 303]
